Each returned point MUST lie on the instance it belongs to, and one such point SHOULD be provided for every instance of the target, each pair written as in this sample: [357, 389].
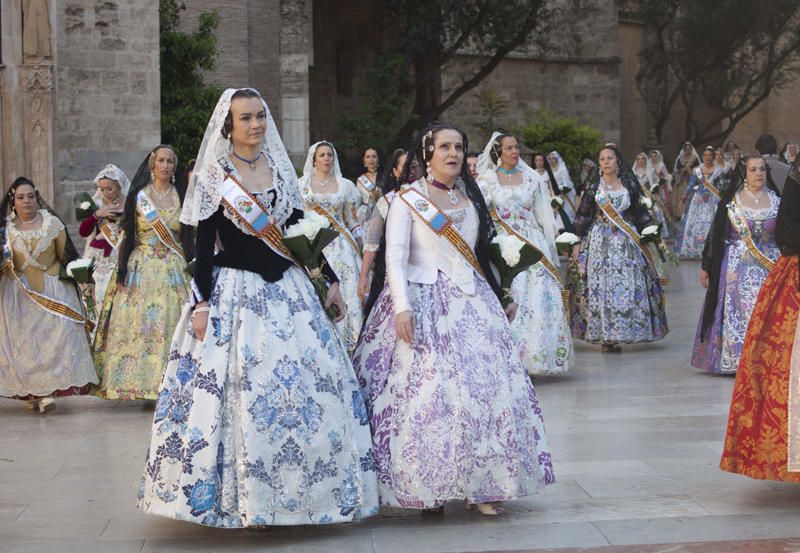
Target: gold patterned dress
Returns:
[42, 352]
[137, 320]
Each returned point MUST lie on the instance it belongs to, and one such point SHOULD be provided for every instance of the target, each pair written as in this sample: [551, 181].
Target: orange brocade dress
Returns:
[757, 438]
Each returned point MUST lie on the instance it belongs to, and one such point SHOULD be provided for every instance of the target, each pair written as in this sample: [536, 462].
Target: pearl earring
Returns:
[428, 173]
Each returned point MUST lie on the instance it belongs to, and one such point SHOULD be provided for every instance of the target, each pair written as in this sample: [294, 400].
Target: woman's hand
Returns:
[108, 211]
[363, 286]
[334, 297]
[704, 278]
[200, 321]
[404, 326]
[511, 311]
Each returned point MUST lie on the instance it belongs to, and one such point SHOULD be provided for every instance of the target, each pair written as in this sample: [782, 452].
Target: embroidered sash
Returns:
[148, 209]
[440, 224]
[366, 184]
[111, 233]
[710, 187]
[308, 197]
[739, 222]
[613, 215]
[252, 215]
[52, 306]
[546, 263]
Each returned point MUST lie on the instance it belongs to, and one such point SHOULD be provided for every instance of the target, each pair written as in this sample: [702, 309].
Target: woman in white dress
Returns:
[367, 184]
[645, 173]
[454, 416]
[44, 346]
[520, 205]
[102, 228]
[326, 192]
[259, 420]
[564, 182]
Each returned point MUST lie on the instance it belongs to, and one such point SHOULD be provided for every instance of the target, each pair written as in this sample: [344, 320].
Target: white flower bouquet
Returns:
[565, 241]
[557, 202]
[651, 234]
[81, 271]
[511, 256]
[86, 207]
[647, 203]
[306, 239]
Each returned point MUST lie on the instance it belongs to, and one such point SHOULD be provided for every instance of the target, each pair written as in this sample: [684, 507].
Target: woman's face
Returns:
[653, 158]
[538, 162]
[792, 149]
[553, 161]
[708, 157]
[109, 189]
[641, 161]
[737, 156]
[719, 156]
[756, 173]
[687, 149]
[164, 164]
[398, 167]
[25, 203]
[472, 166]
[323, 159]
[509, 151]
[448, 155]
[370, 160]
[608, 162]
[249, 122]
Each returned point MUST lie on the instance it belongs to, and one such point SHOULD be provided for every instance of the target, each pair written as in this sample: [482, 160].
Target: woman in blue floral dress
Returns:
[702, 196]
[616, 296]
[259, 418]
[738, 256]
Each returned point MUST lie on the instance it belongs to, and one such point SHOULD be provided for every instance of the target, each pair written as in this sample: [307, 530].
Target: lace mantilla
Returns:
[205, 188]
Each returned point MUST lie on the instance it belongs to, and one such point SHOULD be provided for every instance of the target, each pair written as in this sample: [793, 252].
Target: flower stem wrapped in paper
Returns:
[81, 271]
[565, 241]
[511, 256]
[306, 239]
[86, 207]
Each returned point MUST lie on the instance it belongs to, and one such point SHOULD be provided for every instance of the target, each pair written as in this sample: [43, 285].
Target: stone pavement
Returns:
[636, 439]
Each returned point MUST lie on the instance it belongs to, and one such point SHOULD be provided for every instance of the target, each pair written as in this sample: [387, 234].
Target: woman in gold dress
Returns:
[44, 347]
[139, 315]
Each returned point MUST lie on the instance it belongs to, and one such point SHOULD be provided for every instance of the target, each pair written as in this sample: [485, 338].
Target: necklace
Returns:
[250, 162]
[509, 172]
[324, 183]
[160, 196]
[451, 192]
[756, 199]
[35, 218]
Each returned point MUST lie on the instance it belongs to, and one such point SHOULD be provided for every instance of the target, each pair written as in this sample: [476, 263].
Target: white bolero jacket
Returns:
[414, 253]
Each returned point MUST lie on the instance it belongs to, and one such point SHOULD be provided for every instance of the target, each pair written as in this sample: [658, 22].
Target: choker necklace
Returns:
[511, 171]
[250, 162]
[159, 195]
[451, 192]
[35, 217]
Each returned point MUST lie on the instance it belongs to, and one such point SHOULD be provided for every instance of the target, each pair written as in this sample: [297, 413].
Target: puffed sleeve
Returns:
[398, 243]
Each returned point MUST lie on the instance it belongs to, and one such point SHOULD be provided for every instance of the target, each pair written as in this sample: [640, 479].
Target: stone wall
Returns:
[108, 90]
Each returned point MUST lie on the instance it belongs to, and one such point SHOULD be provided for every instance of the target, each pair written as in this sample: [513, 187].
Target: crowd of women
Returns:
[405, 379]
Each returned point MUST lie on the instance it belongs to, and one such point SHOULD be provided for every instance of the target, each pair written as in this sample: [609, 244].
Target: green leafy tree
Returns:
[429, 37]
[714, 61]
[186, 100]
[566, 135]
[493, 108]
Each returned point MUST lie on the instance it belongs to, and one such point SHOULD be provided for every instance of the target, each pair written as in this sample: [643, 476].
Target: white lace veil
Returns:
[204, 192]
[649, 170]
[111, 172]
[308, 168]
[562, 173]
[684, 160]
[541, 206]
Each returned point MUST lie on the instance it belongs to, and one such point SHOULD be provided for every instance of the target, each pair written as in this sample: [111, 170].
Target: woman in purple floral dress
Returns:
[452, 411]
[738, 256]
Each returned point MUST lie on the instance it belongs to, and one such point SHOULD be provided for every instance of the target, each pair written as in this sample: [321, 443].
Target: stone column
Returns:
[38, 98]
[297, 50]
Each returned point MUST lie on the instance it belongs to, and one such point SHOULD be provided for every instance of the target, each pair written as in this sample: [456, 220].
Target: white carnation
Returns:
[78, 264]
[652, 230]
[567, 238]
[510, 247]
[86, 205]
[557, 200]
[647, 202]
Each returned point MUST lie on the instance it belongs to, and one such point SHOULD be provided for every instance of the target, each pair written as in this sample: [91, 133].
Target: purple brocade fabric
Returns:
[454, 416]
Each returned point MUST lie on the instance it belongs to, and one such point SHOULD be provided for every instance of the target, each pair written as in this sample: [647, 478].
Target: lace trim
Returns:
[762, 213]
[49, 231]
